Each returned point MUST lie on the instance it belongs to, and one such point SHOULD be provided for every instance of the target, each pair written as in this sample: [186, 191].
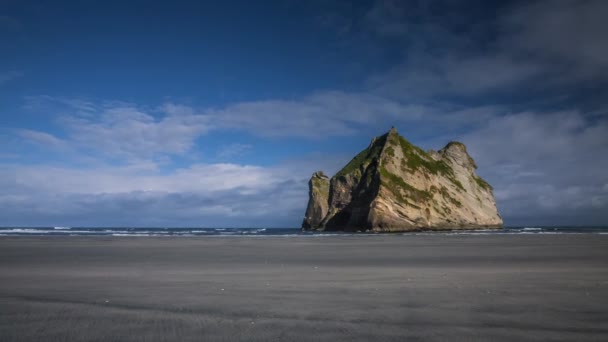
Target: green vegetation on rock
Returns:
[456, 143]
[394, 183]
[482, 183]
[457, 183]
[364, 157]
[446, 194]
[419, 189]
[417, 158]
[390, 151]
[321, 185]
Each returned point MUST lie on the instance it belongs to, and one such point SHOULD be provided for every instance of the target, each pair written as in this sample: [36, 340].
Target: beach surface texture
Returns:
[433, 287]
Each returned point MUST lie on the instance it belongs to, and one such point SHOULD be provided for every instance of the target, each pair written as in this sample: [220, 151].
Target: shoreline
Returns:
[283, 232]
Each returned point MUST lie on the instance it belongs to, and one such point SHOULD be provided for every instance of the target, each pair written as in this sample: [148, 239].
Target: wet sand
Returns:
[380, 288]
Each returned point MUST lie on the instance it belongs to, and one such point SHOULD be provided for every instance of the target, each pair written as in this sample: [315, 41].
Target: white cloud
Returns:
[316, 116]
[538, 136]
[130, 132]
[41, 138]
[195, 178]
[538, 162]
[126, 130]
[544, 164]
[209, 193]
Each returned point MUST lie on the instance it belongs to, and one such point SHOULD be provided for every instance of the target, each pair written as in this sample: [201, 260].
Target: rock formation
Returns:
[393, 185]
[318, 204]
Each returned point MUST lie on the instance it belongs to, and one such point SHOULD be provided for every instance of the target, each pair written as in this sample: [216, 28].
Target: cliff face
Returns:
[318, 194]
[395, 186]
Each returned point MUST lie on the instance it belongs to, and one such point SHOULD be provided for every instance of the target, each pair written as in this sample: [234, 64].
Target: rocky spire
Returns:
[318, 192]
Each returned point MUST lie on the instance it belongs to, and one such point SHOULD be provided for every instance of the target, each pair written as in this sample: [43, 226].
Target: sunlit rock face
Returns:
[393, 185]
[317, 205]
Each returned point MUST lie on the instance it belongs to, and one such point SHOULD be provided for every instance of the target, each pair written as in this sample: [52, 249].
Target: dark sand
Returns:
[379, 288]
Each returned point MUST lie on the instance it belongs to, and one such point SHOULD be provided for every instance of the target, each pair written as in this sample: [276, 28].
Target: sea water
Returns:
[264, 232]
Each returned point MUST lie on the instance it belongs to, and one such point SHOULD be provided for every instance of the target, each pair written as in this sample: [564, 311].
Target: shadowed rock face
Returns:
[395, 186]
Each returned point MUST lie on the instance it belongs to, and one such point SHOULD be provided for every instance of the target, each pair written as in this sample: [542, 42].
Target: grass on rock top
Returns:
[416, 158]
[321, 186]
[365, 156]
[482, 183]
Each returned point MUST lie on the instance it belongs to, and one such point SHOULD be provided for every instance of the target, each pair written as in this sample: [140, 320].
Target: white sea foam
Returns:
[140, 234]
[24, 231]
[269, 233]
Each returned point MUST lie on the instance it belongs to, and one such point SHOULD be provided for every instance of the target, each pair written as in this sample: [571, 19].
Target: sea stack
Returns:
[318, 203]
[394, 185]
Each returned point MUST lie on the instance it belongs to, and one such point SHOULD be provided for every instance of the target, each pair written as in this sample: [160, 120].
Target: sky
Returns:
[216, 113]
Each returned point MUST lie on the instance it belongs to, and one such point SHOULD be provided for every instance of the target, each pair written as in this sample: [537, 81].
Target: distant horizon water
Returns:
[227, 231]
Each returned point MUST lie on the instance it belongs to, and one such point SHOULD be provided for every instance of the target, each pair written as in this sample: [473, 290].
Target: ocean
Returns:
[261, 232]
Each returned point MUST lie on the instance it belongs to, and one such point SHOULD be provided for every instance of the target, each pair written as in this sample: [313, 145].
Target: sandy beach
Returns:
[340, 288]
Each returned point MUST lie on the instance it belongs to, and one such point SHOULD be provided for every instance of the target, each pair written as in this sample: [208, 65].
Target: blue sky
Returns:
[215, 114]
